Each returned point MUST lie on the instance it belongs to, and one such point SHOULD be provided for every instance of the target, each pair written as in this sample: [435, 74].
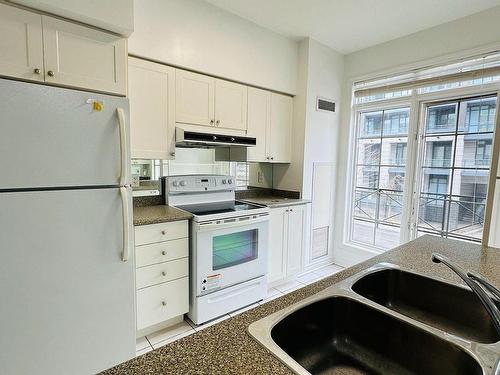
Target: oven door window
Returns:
[234, 248]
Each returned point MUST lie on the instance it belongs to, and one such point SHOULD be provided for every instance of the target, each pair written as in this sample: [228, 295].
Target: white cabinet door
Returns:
[280, 141]
[296, 216]
[82, 57]
[21, 44]
[259, 115]
[194, 98]
[230, 105]
[151, 90]
[277, 244]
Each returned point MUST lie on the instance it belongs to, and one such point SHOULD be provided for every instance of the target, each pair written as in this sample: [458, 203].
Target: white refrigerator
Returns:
[67, 301]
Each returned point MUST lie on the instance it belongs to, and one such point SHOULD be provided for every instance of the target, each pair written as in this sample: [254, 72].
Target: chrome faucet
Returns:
[476, 283]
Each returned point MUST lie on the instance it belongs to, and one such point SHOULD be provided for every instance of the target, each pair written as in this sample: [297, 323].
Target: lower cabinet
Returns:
[162, 274]
[286, 242]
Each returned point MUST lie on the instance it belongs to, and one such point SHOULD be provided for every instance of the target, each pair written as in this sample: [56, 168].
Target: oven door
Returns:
[230, 251]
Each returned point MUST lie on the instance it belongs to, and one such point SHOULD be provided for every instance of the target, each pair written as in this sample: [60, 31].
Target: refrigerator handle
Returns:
[125, 172]
[126, 223]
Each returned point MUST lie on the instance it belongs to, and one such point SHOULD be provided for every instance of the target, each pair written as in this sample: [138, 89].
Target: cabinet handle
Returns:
[217, 122]
[163, 273]
[163, 232]
[211, 122]
[291, 210]
[272, 157]
[50, 73]
[163, 252]
[37, 71]
[163, 303]
[172, 153]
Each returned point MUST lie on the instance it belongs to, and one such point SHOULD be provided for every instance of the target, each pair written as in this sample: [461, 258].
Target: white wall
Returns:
[289, 176]
[198, 36]
[465, 33]
[325, 79]
[442, 43]
[112, 15]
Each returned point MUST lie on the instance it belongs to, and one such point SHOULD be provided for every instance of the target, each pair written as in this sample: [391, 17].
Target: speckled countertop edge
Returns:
[158, 214]
[227, 348]
[272, 201]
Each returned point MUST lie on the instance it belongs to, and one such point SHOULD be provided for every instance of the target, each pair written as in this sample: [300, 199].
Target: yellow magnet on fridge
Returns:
[97, 105]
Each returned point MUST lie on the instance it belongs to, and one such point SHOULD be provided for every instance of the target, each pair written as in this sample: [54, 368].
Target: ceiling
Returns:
[351, 25]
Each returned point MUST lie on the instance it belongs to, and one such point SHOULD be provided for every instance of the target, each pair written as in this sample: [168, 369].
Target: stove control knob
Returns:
[182, 183]
[224, 181]
[229, 181]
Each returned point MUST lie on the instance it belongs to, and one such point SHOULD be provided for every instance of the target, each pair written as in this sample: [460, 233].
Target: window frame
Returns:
[417, 103]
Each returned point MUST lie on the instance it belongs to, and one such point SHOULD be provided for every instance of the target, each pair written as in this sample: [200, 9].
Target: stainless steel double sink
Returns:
[384, 320]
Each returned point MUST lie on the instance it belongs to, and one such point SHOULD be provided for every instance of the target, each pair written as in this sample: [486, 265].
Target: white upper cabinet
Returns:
[151, 90]
[116, 16]
[259, 117]
[270, 121]
[21, 44]
[195, 94]
[83, 57]
[280, 139]
[46, 49]
[230, 105]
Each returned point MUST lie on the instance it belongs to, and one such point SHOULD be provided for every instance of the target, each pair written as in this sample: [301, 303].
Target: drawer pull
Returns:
[163, 273]
[164, 232]
[163, 252]
[163, 303]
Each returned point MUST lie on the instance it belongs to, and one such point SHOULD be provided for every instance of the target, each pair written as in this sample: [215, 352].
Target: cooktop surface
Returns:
[201, 209]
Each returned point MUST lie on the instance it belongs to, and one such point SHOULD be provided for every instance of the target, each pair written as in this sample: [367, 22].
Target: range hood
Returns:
[187, 138]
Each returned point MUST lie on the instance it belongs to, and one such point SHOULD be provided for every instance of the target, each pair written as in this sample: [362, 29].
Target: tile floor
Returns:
[187, 327]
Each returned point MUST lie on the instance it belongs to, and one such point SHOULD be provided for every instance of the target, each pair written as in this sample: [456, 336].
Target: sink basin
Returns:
[452, 309]
[339, 335]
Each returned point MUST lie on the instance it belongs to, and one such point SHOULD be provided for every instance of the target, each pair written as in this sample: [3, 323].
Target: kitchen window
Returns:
[421, 158]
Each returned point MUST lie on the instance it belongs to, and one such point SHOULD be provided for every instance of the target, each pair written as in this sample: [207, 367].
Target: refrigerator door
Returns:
[67, 297]
[55, 137]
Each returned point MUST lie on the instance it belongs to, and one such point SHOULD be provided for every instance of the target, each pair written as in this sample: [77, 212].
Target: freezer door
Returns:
[67, 297]
[52, 137]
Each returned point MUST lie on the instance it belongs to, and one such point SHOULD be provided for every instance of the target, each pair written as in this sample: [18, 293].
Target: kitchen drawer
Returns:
[146, 255]
[160, 273]
[162, 302]
[160, 232]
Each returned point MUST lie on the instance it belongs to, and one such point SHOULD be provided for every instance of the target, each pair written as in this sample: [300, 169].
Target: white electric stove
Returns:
[228, 245]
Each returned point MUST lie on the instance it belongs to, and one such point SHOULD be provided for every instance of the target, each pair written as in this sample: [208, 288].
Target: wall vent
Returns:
[325, 105]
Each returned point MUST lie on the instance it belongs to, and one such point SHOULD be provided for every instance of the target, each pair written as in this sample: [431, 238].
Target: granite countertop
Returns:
[227, 348]
[158, 214]
[274, 201]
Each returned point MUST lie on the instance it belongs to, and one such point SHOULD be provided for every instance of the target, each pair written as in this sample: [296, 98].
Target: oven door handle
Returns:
[231, 223]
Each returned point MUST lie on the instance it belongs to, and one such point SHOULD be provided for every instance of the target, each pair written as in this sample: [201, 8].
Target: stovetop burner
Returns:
[202, 209]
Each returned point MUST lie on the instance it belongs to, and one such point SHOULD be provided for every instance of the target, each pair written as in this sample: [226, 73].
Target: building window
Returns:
[480, 115]
[441, 153]
[380, 177]
[400, 153]
[483, 152]
[441, 118]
